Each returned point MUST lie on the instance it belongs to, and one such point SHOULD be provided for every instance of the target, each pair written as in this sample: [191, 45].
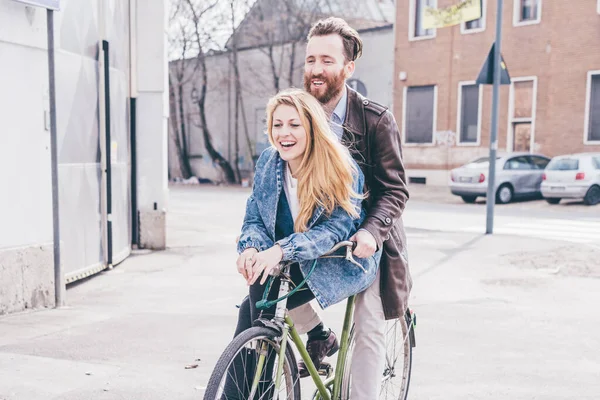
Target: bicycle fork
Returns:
[280, 316]
[259, 368]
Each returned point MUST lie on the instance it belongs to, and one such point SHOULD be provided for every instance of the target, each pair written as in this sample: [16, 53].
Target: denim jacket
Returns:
[334, 279]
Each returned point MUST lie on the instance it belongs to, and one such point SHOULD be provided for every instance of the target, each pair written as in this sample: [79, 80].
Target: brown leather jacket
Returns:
[371, 134]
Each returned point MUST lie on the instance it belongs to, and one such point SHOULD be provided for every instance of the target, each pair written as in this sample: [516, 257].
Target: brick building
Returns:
[552, 51]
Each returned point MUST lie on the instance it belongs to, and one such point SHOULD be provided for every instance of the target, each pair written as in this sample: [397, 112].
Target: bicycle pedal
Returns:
[325, 369]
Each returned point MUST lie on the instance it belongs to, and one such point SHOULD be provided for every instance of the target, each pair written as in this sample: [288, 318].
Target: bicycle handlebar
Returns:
[350, 246]
[275, 272]
[346, 243]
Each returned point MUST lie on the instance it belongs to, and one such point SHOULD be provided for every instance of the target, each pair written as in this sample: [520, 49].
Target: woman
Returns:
[306, 197]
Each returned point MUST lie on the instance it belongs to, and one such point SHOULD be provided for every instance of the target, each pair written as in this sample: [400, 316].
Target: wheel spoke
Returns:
[227, 382]
[395, 381]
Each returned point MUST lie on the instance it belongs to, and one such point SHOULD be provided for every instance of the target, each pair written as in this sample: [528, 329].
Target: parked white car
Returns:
[574, 176]
[517, 175]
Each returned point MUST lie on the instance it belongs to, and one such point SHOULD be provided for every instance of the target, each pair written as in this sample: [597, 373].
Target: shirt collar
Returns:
[340, 109]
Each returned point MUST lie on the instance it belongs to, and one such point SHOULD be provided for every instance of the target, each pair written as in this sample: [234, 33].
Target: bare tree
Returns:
[276, 27]
[239, 100]
[201, 37]
[234, 62]
[302, 18]
[181, 41]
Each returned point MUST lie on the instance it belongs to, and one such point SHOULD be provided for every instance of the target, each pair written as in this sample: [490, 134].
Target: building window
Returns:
[419, 114]
[521, 129]
[476, 25]
[527, 12]
[592, 112]
[469, 113]
[417, 11]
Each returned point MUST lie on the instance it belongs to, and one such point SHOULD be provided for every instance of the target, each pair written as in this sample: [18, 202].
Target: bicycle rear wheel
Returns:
[234, 373]
[398, 361]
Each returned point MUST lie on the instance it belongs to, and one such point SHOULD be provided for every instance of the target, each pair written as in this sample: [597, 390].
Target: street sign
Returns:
[466, 10]
[49, 4]
[486, 76]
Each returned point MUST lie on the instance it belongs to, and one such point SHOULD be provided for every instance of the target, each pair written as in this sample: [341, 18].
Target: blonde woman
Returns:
[306, 197]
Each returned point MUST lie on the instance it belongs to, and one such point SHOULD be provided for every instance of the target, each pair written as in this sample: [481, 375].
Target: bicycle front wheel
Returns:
[246, 370]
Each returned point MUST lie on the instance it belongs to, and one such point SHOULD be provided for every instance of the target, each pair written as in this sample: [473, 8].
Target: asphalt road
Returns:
[499, 317]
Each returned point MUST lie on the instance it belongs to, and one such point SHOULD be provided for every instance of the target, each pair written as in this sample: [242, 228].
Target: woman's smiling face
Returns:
[289, 136]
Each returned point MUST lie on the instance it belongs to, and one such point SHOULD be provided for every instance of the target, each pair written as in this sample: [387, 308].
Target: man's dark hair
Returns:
[352, 43]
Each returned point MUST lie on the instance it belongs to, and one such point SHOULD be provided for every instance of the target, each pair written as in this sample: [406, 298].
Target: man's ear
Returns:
[349, 69]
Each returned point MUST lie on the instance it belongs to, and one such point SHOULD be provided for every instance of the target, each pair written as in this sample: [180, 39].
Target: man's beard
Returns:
[333, 86]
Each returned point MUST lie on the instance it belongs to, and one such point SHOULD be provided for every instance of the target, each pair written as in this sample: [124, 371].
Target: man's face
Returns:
[325, 67]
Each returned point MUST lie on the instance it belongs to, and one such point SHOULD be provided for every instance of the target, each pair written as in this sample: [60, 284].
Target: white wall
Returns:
[25, 180]
[26, 266]
[152, 104]
[375, 68]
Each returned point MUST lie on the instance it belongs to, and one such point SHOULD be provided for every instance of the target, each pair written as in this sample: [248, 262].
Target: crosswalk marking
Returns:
[565, 222]
[563, 230]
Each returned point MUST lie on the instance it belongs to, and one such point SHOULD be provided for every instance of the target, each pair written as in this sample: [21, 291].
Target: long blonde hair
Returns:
[326, 172]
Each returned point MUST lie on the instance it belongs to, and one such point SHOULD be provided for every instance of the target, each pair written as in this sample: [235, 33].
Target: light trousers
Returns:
[368, 359]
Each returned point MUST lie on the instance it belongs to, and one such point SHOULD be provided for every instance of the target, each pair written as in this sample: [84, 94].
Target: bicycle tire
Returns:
[290, 369]
[407, 343]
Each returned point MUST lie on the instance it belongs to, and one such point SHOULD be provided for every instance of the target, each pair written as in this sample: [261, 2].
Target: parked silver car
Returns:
[575, 176]
[517, 175]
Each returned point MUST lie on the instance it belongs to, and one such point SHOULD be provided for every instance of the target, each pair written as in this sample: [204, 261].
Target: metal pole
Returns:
[133, 121]
[59, 286]
[133, 145]
[108, 156]
[491, 192]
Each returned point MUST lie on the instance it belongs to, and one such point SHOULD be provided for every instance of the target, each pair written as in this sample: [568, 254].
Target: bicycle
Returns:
[265, 346]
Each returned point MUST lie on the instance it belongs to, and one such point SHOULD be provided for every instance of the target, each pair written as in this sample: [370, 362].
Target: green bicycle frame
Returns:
[259, 368]
[336, 380]
[290, 330]
[341, 361]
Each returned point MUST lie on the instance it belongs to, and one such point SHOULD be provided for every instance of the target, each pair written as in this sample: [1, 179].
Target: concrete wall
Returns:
[27, 278]
[374, 69]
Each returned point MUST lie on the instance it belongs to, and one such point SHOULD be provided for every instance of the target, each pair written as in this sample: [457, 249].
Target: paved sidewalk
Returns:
[498, 317]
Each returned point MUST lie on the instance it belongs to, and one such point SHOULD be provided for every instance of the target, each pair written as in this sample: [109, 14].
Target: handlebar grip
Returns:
[276, 271]
[261, 304]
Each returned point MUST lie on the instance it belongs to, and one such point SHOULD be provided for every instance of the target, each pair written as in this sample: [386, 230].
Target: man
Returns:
[371, 133]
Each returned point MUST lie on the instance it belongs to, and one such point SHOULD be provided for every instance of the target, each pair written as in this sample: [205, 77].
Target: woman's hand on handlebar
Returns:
[264, 262]
[244, 262]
